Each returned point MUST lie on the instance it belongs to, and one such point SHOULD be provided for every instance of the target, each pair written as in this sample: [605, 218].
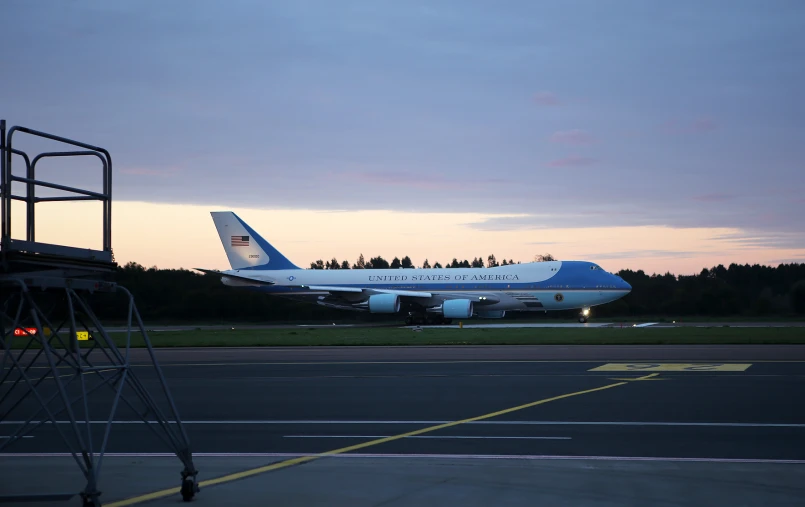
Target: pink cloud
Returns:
[574, 136]
[701, 124]
[546, 98]
[631, 133]
[147, 171]
[395, 179]
[424, 182]
[714, 197]
[572, 161]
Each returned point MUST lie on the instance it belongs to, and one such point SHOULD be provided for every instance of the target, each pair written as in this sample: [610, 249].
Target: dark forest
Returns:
[183, 295]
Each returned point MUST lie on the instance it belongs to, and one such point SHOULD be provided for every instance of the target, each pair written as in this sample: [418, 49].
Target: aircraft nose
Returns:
[622, 284]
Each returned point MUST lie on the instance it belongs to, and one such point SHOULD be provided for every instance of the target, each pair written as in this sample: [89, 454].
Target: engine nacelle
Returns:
[457, 309]
[384, 303]
[494, 314]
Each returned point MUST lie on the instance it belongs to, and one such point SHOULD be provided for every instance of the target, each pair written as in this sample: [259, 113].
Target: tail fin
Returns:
[244, 247]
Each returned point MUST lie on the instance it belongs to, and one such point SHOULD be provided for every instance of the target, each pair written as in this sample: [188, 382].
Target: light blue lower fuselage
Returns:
[539, 286]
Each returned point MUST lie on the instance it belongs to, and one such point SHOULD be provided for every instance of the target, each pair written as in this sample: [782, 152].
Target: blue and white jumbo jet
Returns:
[426, 295]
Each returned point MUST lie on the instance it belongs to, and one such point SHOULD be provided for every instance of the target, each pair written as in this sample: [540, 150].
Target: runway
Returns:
[472, 324]
[482, 354]
[470, 408]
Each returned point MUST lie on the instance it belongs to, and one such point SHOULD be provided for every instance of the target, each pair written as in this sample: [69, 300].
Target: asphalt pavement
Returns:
[673, 415]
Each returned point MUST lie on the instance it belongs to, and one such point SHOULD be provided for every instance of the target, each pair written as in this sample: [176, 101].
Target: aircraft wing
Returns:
[333, 288]
[359, 290]
[405, 293]
[353, 293]
[478, 298]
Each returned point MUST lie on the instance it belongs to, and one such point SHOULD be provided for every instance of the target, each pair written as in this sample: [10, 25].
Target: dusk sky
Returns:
[664, 136]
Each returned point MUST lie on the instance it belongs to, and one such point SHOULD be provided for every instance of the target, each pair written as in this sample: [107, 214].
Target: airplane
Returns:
[428, 296]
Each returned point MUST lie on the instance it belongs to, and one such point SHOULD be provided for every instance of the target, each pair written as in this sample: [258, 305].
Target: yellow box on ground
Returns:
[672, 367]
[82, 335]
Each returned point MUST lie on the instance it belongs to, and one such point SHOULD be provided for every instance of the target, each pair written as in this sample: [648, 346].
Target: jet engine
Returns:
[457, 309]
[384, 303]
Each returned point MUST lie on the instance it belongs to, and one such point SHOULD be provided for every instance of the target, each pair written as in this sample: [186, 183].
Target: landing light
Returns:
[586, 311]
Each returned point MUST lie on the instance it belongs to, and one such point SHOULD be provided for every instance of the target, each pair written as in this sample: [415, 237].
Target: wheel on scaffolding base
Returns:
[189, 489]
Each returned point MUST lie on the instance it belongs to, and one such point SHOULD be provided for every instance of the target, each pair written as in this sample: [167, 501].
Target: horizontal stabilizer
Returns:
[235, 277]
[209, 271]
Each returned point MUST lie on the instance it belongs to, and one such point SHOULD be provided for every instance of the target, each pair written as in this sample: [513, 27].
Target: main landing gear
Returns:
[584, 315]
[417, 319]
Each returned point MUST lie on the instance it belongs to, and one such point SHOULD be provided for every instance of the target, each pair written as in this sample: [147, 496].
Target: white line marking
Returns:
[504, 423]
[516, 326]
[325, 325]
[431, 436]
[24, 436]
[412, 456]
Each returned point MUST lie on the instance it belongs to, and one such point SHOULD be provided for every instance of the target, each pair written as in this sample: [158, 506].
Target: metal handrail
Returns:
[7, 178]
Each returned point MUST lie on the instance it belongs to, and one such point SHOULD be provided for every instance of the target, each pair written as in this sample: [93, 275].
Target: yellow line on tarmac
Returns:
[85, 373]
[305, 459]
[647, 377]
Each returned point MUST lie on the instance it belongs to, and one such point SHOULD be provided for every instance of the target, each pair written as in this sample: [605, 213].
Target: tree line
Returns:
[380, 263]
[736, 290]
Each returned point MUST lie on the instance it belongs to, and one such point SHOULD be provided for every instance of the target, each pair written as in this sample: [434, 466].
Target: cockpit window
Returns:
[596, 267]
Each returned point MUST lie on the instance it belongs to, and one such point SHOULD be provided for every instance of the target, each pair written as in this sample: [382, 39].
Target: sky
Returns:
[664, 136]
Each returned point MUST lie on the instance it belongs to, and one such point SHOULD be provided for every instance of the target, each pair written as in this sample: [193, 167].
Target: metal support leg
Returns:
[77, 373]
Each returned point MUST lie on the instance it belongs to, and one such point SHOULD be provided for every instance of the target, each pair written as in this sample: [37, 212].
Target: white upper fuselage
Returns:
[533, 286]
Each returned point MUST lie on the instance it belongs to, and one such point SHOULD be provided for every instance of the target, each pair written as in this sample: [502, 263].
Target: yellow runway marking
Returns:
[647, 377]
[672, 367]
[85, 373]
[305, 459]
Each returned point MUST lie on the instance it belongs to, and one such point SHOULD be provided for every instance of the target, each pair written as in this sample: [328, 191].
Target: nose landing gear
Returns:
[584, 315]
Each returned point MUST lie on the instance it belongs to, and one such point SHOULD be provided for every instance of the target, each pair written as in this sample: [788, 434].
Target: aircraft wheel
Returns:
[583, 319]
[409, 320]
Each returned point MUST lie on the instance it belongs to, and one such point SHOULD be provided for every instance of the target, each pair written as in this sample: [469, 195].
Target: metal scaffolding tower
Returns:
[61, 370]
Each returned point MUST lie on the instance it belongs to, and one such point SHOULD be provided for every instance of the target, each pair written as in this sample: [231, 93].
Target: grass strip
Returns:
[313, 336]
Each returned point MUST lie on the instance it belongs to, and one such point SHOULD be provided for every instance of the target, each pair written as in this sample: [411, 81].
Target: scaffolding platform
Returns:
[58, 361]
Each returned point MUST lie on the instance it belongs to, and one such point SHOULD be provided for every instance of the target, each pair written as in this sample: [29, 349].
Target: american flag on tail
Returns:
[240, 240]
